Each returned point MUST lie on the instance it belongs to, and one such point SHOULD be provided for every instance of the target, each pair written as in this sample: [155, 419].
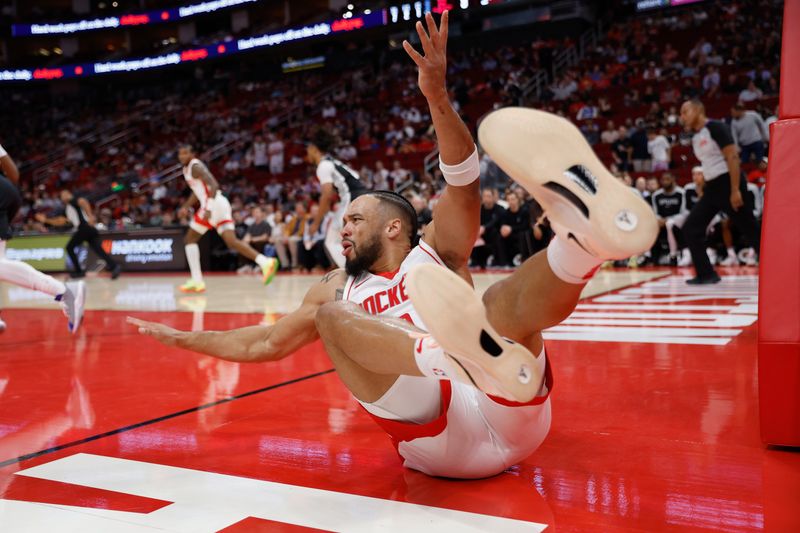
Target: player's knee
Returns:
[331, 316]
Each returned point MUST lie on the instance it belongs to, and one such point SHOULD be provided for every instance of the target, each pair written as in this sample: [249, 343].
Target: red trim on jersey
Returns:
[366, 279]
[429, 253]
[406, 431]
[548, 382]
[388, 275]
[202, 221]
[224, 222]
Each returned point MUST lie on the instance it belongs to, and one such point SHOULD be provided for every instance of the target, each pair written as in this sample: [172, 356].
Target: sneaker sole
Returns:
[80, 303]
[549, 157]
[191, 290]
[267, 278]
[456, 318]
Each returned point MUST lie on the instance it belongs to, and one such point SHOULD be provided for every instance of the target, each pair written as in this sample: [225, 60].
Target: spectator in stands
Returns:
[276, 154]
[749, 133]
[295, 229]
[260, 159]
[659, 149]
[610, 135]
[274, 189]
[751, 93]
[639, 154]
[641, 187]
[711, 82]
[622, 150]
[257, 235]
[759, 174]
[401, 178]
[380, 179]
[515, 229]
[489, 243]
[669, 204]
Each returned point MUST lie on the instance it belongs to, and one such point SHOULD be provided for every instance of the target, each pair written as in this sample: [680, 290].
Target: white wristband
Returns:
[463, 173]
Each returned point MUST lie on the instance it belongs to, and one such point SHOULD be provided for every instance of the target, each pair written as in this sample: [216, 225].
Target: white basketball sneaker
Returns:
[456, 319]
[584, 202]
[748, 257]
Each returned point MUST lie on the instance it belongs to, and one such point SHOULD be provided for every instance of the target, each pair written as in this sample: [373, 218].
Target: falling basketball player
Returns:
[72, 296]
[214, 213]
[409, 337]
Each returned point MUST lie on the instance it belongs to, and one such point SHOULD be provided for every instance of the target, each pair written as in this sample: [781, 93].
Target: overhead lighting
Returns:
[350, 7]
[367, 11]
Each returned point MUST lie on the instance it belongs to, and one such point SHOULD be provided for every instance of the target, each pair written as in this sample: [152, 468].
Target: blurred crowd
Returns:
[624, 95]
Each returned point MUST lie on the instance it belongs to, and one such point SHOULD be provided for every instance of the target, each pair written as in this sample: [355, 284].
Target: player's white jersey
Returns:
[199, 187]
[385, 294]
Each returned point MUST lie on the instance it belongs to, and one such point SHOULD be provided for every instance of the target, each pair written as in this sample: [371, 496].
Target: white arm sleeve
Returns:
[463, 173]
[325, 171]
[3, 152]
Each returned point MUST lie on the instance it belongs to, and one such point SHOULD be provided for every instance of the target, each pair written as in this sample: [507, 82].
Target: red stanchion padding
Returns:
[779, 290]
[790, 59]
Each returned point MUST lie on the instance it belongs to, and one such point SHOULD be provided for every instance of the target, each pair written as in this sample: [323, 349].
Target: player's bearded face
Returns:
[363, 255]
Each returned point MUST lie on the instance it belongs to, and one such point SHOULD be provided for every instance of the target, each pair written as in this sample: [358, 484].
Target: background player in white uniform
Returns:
[214, 213]
[71, 295]
[419, 394]
[335, 178]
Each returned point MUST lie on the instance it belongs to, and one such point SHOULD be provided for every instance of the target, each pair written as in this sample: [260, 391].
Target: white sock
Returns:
[261, 260]
[432, 361]
[193, 257]
[24, 275]
[570, 263]
[731, 252]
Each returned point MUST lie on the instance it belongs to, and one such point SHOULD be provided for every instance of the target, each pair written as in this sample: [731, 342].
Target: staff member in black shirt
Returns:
[78, 213]
[724, 188]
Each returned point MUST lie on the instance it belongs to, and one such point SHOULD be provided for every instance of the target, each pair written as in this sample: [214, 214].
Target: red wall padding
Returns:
[779, 281]
[790, 59]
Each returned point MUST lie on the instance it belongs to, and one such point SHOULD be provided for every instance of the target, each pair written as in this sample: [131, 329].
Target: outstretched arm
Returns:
[254, 344]
[456, 219]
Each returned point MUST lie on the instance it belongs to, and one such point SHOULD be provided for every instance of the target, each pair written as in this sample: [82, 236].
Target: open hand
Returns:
[160, 332]
[433, 65]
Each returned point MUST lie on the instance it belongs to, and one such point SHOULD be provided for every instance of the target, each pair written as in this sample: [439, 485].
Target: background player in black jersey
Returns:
[335, 178]
[669, 203]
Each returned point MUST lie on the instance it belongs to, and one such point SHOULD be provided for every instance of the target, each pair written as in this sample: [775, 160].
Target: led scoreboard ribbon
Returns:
[131, 19]
[196, 54]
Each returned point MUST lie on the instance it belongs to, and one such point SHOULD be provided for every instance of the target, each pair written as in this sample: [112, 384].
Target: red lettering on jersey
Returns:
[408, 318]
[379, 304]
[369, 305]
[393, 298]
[403, 295]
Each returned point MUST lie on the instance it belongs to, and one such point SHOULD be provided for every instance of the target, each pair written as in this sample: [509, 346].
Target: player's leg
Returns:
[268, 265]
[672, 239]
[544, 290]
[93, 240]
[72, 296]
[222, 219]
[196, 230]
[369, 352]
[333, 243]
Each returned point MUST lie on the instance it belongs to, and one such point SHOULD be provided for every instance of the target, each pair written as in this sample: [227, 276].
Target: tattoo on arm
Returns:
[339, 295]
[331, 275]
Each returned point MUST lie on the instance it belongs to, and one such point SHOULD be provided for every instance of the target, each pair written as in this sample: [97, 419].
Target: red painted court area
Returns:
[111, 428]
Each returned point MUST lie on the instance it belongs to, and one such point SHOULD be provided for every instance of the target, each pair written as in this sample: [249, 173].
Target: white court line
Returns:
[206, 501]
